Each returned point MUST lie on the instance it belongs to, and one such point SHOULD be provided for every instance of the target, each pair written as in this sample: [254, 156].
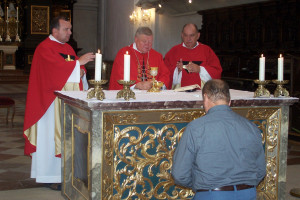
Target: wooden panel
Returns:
[240, 34]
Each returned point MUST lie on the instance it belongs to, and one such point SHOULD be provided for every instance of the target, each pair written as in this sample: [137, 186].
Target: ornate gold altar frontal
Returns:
[138, 147]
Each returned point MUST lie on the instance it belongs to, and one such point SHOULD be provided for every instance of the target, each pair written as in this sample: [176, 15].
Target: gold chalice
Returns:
[156, 85]
[153, 72]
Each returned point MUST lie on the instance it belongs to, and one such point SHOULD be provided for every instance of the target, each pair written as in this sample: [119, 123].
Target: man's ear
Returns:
[54, 31]
[204, 96]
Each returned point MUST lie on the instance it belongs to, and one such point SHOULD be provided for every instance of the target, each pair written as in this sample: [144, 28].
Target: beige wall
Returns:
[105, 24]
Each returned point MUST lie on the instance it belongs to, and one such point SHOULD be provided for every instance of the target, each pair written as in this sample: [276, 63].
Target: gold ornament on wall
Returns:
[40, 20]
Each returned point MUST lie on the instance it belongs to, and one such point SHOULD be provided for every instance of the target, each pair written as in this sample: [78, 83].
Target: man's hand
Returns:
[179, 66]
[192, 67]
[86, 58]
[146, 85]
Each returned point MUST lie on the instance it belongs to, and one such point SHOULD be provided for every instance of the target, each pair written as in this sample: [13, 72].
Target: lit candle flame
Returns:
[280, 55]
[127, 52]
[262, 55]
[98, 50]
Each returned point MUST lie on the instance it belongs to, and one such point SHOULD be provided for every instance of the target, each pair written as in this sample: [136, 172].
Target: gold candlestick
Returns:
[126, 92]
[280, 90]
[17, 31]
[97, 91]
[7, 39]
[261, 91]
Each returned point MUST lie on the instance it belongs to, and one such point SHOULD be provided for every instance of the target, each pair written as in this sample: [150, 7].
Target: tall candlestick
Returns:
[280, 68]
[98, 64]
[262, 68]
[17, 13]
[126, 67]
[7, 13]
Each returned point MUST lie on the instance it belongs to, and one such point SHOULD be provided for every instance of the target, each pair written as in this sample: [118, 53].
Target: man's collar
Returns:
[193, 47]
[219, 107]
[135, 48]
[54, 39]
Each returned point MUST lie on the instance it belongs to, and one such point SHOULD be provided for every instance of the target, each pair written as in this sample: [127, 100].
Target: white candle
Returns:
[262, 68]
[126, 67]
[98, 64]
[17, 13]
[280, 68]
[7, 13]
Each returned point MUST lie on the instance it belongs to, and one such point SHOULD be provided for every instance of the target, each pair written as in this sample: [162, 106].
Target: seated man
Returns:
[220, 155]
[198, 60]
[142, 57]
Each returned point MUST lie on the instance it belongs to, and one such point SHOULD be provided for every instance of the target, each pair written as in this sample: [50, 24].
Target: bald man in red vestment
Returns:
[55, 66]
[191, 62]
[142, 57]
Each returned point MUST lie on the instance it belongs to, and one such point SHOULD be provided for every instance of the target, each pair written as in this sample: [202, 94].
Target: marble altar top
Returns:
[167, 99]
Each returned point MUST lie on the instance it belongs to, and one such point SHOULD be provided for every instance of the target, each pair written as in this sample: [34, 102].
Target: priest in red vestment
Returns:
[55, 66]
[142, 57]
[191, 62]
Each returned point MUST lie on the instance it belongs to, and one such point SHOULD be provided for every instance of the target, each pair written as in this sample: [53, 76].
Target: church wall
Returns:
[119, 31]
[168, 30]
[85, 23]
[110, 29]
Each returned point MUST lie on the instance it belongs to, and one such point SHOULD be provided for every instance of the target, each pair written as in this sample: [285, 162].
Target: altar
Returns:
[118, 149]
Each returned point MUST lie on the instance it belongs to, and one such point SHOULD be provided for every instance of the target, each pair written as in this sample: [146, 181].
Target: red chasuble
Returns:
[201, 54]
[49, 72]
[139, 67]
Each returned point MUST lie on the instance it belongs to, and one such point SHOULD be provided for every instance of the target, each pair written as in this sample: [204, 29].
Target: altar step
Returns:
[13, 76]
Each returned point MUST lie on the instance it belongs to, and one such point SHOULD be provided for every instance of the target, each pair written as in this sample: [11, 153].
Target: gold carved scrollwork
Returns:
[125, 118]
[107, 187]
[268, 120]
[139, 162]
[107, 142]
[260, 113]
[181, 116]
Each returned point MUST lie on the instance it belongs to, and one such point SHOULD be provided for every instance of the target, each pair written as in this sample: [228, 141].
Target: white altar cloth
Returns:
[163, 96]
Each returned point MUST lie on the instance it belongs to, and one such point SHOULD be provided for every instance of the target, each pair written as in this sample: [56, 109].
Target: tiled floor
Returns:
[14, 166]
[15, 181]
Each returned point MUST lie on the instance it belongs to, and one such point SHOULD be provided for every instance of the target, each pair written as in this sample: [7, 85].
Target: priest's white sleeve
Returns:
[84, 82]
[75, 76]
[176, 77]
[204, 75]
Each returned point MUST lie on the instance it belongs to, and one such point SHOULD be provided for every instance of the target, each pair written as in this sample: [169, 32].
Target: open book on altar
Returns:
[187, 88]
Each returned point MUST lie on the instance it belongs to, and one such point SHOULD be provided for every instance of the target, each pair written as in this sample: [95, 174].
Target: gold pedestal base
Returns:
[261, 91]
[18, 38]
[7, 39]
[97, 91]
[126, 92]
[156, 87]
[280, 90]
